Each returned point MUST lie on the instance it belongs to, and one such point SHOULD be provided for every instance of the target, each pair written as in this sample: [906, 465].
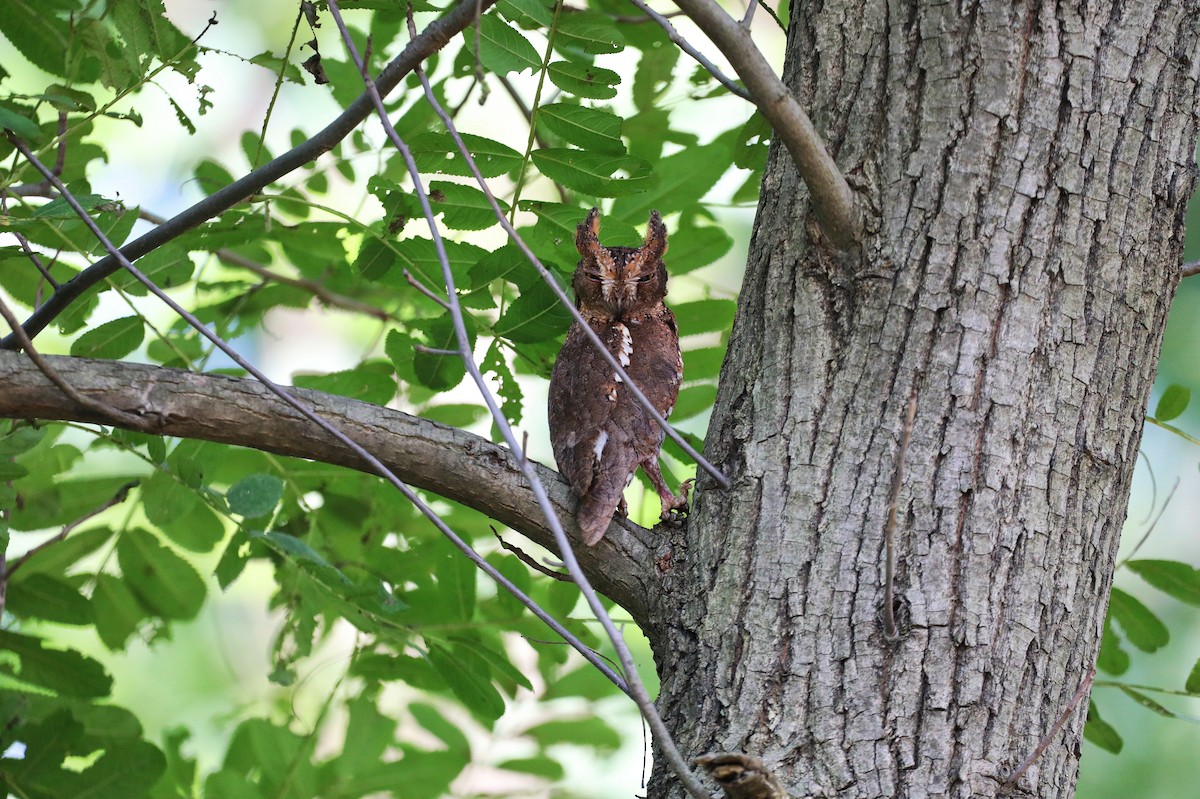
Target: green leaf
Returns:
[507, 387]
[437, 152]
[368, 735]
[123, 771]
[11, 471]
[703, 364]
[584, 80]
[589, 128]
[375, 259]
[590, 32]
[1100, 732]
[1112, 658]
[167, 266]
[704, 316]
[255, 495]
[593, 174]
[369, 382]
[64, 671]
[496, 661]
[502, 49]
[429, 718]
[59, 208]
[462, 207]
[275, 757]
[111, 340]
[63, 501]
[692, 248]
[680, 180]
[1192, 686]
[38, 32]
[420, 256]
[1141, 626]
[537, 12]
[20, 439]
[694, 400]
[116, 610]
[455, 415]
[164, 582]
[1172, 403]
[24, 127]
[1146, 702]
[537, 766]
[475, 690]
[588, 731]
[178, 510]
[654, 73]
[441, 372]
[57, 559]
[41, 596]
[537, 315]
[1171, 577]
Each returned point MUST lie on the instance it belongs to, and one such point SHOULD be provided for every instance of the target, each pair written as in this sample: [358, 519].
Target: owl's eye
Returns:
[594, 276]
[645, 277]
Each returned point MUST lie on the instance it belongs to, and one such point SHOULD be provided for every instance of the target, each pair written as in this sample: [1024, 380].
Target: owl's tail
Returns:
[595, 514]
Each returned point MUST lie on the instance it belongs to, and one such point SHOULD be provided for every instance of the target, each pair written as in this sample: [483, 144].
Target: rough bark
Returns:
[447, 461]
[1028, 165]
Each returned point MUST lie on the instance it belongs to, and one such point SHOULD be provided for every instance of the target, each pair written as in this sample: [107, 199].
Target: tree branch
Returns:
[432, 39]
[686, 46]
[833, 200]
[447, 461]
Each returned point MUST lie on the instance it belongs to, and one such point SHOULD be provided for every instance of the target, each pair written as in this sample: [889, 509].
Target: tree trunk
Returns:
[1027, 168]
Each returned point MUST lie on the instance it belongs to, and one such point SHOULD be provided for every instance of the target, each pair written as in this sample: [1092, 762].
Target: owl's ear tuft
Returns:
[656, 238]
[587, 235]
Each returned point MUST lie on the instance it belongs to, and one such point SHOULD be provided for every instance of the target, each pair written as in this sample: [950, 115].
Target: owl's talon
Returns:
[675, 506]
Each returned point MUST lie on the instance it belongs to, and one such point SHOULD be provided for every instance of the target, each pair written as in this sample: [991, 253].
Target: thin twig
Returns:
[890, 631]
[376, 465]
[1058, 725]
[749, 15]
[103, 410]
[121, 494]
[434, 350]
[686, 46]
[641, 19]
[1150, 529]
[35, 258]
[433, 38]
[529, 561]
[833, 201]
[771, 13]
[428, 292]
[24, 242]
[1190, 268]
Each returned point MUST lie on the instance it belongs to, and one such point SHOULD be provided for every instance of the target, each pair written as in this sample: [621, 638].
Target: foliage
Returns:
[344, 551]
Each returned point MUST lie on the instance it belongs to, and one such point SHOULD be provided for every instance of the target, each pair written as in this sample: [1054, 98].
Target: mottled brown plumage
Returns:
[599, 430]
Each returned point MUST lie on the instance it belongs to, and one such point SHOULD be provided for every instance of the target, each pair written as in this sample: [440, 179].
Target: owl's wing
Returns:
[582, 415]
[591, 429]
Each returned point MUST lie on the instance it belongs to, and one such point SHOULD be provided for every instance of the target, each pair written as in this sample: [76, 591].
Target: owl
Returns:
[599, 430]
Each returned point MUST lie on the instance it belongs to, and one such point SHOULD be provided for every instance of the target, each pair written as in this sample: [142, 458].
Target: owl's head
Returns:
[620, 281]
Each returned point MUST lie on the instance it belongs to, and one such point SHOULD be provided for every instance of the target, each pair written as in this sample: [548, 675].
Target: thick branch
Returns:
[447, 461]
[833, 201]
[432, 39]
